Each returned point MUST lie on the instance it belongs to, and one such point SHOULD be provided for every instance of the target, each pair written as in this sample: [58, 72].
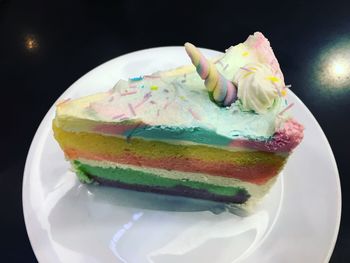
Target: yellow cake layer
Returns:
[108, 145]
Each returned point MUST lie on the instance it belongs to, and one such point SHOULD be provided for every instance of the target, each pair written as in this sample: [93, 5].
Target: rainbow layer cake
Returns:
[215, 129]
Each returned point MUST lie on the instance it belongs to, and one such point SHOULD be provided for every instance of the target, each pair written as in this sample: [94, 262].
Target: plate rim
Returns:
[337, 180]
[41, 127]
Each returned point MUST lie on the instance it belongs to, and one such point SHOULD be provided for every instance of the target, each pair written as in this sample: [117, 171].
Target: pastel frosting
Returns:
[174, 105]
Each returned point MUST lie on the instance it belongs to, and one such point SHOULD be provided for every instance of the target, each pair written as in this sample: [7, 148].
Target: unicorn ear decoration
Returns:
[255, 84]
[221, 90]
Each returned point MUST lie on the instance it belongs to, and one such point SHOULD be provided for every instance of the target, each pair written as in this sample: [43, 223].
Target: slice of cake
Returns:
[218, 130]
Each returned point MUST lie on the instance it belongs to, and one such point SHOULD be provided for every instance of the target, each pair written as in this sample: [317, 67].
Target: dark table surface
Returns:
[47, 45]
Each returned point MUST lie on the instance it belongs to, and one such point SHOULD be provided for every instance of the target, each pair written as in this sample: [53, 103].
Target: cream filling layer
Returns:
[256, 191]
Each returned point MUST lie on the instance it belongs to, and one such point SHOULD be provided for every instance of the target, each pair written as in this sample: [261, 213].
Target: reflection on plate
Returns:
[70, 222]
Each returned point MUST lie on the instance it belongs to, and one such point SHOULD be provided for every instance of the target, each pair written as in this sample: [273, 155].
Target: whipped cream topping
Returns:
[258, 87]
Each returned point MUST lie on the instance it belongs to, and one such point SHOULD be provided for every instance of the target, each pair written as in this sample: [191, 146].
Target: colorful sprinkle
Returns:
[131, 109]
[194, 114]
[128, 93]
[151, 77]
[247, 74]
[147, 95]
[246, 53]
[136, 78]
[154, 87]
[246, 69]
[273, 79]
[118, 116]
[145, 98]
[287, 108]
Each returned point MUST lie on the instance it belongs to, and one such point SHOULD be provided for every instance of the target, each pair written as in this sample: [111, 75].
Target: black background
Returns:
[73, 37]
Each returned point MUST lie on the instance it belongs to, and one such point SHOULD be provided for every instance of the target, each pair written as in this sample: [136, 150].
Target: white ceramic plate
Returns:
[69, 222]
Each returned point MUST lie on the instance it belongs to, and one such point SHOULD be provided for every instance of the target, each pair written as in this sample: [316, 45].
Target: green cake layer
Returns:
[145, 181]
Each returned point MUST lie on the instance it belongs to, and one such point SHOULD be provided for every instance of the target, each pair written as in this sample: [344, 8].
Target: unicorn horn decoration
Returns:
[221, 90]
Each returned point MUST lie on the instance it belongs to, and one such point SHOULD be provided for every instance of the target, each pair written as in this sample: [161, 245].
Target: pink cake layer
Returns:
[257, 173]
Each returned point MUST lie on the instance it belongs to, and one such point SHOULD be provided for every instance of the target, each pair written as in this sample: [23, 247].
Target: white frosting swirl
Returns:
[258, 87]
